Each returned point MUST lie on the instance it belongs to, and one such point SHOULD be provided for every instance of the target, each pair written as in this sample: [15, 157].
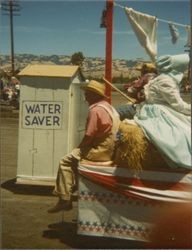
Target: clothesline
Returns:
[178, 24]
[162, 20]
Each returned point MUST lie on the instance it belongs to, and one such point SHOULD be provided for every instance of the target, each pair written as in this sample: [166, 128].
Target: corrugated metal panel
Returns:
[49, 70]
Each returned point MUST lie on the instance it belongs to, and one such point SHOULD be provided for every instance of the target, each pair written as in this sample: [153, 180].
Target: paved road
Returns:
[25, 222]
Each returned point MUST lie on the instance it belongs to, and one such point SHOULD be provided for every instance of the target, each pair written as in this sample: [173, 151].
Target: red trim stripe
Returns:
[154, 169]
[160, 185]
[115, 183]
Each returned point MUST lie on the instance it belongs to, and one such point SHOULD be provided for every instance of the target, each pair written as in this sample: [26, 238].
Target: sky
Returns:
[67, 26]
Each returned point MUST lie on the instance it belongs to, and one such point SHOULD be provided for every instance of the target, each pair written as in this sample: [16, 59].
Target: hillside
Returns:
[92, 67]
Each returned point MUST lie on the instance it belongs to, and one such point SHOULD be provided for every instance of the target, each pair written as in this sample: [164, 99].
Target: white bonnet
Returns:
[174, 66]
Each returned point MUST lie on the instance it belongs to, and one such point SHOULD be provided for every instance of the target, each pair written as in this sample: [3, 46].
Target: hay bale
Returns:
[134, 151]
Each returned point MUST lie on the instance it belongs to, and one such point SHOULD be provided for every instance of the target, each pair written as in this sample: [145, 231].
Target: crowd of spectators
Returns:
[9, 90]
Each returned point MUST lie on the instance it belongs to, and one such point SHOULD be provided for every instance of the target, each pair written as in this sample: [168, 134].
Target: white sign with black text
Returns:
[42, 114]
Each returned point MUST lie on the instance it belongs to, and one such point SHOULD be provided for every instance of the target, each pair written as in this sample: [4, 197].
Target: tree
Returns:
[77, 58]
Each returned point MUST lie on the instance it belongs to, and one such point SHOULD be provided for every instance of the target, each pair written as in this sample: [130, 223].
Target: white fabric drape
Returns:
[145, 27]
[188, 29]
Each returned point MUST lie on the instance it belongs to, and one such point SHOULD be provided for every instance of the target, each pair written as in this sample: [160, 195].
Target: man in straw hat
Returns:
[97, 144]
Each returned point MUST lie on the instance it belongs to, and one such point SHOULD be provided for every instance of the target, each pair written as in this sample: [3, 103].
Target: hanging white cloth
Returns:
[145, 27]
[188, 29]
[174, 32]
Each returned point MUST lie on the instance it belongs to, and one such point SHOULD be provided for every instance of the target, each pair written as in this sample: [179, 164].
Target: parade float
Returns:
[123, 198]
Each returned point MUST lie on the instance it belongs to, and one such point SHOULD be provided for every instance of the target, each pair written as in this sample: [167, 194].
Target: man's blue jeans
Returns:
[126, 111]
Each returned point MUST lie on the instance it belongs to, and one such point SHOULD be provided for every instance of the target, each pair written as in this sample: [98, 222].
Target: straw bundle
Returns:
[134, 151]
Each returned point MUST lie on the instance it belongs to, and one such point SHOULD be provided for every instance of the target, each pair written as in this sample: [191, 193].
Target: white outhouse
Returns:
[51, 120]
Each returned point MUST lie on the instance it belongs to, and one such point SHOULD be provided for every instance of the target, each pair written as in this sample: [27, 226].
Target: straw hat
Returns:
[95, 87]
[150, 67]
[147, 68]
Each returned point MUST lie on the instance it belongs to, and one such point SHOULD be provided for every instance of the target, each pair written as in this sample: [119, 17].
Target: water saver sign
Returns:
[42, 115]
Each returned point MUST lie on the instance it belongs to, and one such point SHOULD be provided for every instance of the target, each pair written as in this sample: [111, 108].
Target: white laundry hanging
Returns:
[145, 27]
[188, 29]
[174, 32]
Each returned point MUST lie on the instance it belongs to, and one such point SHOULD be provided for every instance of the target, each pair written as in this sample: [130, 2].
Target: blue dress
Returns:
[169, 131]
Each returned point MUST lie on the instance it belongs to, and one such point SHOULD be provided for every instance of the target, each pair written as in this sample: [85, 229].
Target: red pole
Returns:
[108, 55]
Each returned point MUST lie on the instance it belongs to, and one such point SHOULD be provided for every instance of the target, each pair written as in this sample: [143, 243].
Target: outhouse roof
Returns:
[49, 70]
